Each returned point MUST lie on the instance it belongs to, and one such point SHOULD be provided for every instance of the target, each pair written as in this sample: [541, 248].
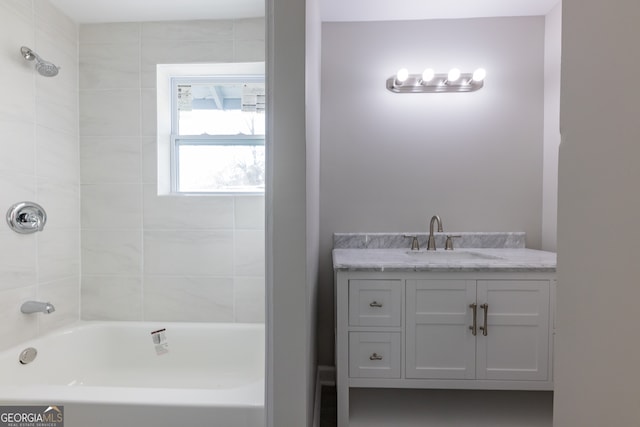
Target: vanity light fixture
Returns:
[401, 76]
[453, 76]
[431, 82]
[478, 75]
[427, 76]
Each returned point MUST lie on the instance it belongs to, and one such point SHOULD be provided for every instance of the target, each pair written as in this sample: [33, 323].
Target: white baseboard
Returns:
[325, 376]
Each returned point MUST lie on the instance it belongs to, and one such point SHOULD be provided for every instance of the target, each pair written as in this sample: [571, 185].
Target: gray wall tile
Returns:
[110, 159]
[186, 243]
[40, 163]
[109, 66]
[188, 299]
[111, 297]
[110, 112]
[111, 252]
[184, 253]
[124, 32]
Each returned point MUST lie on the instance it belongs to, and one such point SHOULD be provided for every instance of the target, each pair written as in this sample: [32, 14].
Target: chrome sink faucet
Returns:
[37, 307]
[431, 243]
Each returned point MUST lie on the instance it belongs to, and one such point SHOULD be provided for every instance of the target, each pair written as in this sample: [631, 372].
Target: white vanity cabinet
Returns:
[421, 329]
[478, 329]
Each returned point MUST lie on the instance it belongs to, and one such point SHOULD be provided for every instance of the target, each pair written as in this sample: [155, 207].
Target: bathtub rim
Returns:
[251, 395]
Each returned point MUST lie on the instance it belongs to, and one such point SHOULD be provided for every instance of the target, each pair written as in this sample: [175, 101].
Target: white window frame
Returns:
[168, 142]
[178, 140]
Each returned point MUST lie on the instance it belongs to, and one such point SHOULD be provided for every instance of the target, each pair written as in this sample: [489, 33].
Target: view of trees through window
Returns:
[210, 168]
[220, 137]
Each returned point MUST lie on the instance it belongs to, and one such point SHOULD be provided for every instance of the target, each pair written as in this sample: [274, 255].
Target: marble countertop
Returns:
[399, 240]
[463, 259]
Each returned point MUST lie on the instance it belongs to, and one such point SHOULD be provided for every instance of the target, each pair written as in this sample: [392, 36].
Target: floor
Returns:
[441, 408]
[328, 411]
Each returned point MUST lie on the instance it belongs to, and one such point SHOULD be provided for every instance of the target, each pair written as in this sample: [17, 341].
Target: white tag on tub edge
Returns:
[159, 338]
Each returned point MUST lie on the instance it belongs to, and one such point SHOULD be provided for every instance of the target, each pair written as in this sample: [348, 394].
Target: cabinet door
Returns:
[516, 346]
[439, 342]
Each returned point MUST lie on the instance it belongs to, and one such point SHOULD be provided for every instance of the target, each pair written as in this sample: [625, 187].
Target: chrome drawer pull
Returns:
[485, 328]
[474, 327]
[375, 356]
[375, 304]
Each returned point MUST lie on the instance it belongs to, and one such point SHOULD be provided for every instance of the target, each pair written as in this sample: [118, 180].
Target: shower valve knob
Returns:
[26, 217]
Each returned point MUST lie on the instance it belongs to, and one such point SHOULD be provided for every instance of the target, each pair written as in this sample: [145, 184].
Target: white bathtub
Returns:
[110, 374]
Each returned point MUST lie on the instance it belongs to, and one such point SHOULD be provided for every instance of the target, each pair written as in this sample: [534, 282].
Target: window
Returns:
[217, 134]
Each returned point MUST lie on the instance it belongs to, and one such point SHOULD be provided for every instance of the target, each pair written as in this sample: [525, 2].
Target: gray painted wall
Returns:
[390, 161]
[313, 77]
[552, 58]
[597, 346]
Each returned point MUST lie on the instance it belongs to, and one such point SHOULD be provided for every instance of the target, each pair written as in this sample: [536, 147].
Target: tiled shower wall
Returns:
[150, 257]
[38, 162]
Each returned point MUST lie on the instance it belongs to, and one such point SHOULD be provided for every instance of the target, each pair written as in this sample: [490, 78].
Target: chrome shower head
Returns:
[44, 68]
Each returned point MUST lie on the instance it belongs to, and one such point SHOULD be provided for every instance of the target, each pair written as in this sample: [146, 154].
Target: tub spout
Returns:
[37, 307]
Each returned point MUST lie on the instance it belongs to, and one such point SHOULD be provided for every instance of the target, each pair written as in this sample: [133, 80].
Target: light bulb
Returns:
[402, 76]
[454, 75]
[479, 75]
[427, 75]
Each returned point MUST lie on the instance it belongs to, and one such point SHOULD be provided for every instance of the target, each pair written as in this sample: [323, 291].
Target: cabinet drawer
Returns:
[374, 354]
[375, 302]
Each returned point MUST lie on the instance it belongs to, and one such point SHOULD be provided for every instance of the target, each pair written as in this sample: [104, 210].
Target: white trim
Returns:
[269, 408]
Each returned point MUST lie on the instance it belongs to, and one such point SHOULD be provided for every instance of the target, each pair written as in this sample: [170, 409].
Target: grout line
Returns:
[79, 195]
[35, 165]
[141, 183]
[233, 259]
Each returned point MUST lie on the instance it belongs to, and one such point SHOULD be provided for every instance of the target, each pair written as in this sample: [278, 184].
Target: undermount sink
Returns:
[442, 255]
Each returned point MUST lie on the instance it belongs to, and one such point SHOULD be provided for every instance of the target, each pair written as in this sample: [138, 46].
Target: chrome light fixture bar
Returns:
[430, 82]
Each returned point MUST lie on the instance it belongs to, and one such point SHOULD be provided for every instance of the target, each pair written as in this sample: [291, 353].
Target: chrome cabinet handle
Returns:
[485, 327]
[375, 304]
[375, 356]
[474, 327]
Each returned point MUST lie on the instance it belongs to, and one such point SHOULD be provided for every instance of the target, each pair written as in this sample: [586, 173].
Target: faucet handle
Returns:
[415, 246]
[448, 245]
